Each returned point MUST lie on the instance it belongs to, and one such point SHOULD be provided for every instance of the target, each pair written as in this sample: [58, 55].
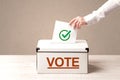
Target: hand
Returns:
[77, 22]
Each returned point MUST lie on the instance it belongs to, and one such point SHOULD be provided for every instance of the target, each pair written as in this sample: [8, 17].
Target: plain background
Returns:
[24, 22]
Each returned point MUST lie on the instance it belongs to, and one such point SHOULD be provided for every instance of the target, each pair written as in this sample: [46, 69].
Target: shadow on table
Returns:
[94, 67]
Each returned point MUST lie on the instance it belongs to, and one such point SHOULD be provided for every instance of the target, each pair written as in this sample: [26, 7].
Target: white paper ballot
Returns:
[64, 33]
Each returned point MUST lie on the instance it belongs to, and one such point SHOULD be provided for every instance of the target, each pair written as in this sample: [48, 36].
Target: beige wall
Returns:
[23, 22]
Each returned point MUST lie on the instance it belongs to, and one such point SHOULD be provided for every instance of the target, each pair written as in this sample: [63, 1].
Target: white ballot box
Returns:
[62, 58]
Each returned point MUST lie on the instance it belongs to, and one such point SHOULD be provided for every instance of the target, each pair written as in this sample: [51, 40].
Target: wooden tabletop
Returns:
[23, 67]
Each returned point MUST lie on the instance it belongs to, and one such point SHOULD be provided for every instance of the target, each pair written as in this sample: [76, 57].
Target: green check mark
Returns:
[64, 35]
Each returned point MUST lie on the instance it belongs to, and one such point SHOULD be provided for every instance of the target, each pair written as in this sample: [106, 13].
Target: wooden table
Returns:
[23, 67]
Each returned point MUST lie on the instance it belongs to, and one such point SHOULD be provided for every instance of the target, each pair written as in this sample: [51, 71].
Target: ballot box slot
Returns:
[62, 51]
[42, 51]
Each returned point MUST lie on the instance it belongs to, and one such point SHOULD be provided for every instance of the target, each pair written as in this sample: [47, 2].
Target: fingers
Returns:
[72, 21]
[79, 25]
[77, 22]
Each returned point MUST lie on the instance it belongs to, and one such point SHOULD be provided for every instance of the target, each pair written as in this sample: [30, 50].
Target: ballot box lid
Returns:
[49, 45]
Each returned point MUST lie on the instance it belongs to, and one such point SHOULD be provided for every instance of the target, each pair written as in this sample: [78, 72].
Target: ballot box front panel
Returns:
[56, 62]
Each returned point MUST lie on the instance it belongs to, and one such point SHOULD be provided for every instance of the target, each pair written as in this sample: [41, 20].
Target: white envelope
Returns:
[64, 33]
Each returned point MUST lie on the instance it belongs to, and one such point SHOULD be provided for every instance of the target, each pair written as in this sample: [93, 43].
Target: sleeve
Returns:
[100, 13]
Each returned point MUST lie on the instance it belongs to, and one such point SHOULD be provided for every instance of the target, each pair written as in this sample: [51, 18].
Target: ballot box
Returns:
[55, 57]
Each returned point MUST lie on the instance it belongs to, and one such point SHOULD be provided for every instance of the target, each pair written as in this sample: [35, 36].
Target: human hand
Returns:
[77, 22]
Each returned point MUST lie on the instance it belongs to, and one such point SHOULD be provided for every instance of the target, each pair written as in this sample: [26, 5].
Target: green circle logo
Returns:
[64, 35]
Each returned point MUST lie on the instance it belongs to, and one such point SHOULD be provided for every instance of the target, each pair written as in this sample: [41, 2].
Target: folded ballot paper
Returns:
[64, 33]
